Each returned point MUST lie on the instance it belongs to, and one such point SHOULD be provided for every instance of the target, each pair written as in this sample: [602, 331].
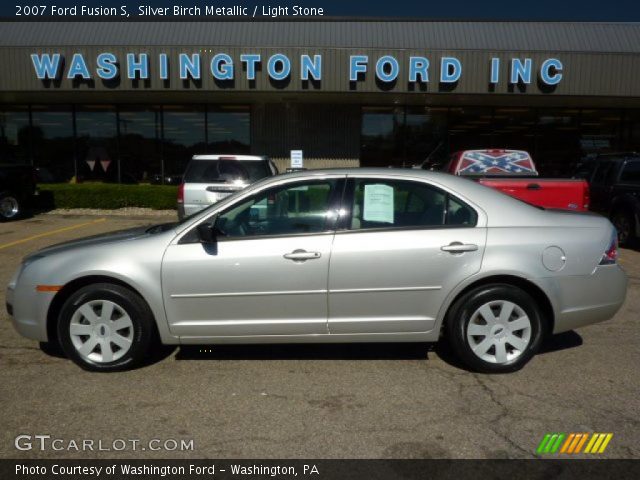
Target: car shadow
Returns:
[353, 351]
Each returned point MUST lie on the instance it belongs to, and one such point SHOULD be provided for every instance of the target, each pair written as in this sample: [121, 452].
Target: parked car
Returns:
[353, 255]
[514, 173]
[614, 181]
[210, 178]
[17, 189]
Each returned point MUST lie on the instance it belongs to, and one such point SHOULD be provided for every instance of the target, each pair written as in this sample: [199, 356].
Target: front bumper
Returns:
[28, 309]
[588, 299]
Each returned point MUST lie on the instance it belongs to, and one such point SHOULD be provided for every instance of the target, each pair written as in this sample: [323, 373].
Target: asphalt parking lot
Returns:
[340, 401]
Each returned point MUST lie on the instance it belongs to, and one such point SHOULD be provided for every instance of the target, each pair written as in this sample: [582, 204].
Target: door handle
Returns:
[534, 186]
[458, 247]
[300, 255]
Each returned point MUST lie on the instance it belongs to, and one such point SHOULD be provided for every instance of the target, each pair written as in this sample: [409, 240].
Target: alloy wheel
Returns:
[101, 331]
[499, 332]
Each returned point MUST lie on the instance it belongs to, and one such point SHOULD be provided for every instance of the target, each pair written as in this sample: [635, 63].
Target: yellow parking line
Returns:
[52, 232]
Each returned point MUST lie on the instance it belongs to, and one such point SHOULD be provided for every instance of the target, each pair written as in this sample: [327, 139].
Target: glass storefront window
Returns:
[425, 136]
[183, 137]
[14, 135]
[140, 143]
[97, 144]
[557, 142]
[228, 129]
[599, 131]
[52, 142]
[514, 129]
[470, 128]
[381, 136]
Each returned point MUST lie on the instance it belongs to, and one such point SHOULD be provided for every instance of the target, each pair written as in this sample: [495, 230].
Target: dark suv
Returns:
[614, 181]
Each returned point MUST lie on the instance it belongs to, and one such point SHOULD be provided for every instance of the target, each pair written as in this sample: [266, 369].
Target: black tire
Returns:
[10, 207]
[142, 333]
[465, 309]
[625, 226]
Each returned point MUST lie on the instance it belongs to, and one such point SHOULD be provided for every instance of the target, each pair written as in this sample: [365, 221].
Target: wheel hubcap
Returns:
[101, 331]
[8, 207]
[499, 331]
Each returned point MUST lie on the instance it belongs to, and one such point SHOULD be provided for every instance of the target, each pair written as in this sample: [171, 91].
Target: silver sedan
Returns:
[363, 255]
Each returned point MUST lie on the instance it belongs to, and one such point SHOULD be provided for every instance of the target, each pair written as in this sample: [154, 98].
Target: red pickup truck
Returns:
[514, 173]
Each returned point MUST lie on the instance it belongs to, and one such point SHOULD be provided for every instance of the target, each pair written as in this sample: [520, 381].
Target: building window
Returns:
[599, 131]
[514, 128]
[381, 136]
[97, 144]
[228, 129]
[139, 143]
[52, 143]
[425, 136]
[183, 137]
[470, 128]
[557, 142]
[14, 135]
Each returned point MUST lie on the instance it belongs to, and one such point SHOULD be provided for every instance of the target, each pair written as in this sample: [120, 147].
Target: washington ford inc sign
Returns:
[223, 67]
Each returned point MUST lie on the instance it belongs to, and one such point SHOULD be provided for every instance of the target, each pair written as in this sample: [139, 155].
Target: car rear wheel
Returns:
[106, 327]
[495, 328]
[9, 207]
[625, 226]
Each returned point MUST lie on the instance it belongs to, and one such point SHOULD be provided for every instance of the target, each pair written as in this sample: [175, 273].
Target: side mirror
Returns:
[206, 233]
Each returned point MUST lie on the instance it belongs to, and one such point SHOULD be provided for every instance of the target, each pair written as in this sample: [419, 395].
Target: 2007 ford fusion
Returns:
[362, 255]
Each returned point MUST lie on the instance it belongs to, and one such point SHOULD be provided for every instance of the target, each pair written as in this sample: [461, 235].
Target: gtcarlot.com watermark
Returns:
[26, 442]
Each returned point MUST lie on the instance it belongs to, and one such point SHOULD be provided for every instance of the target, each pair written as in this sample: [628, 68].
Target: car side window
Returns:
[602, 172]
[298, 208]
[631, 172]
[405, 204]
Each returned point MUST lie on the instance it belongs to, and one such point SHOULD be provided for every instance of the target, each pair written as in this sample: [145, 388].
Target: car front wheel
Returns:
[495, 328]
[105, 327]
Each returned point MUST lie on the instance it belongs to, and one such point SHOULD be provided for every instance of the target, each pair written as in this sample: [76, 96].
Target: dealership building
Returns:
[133, 101]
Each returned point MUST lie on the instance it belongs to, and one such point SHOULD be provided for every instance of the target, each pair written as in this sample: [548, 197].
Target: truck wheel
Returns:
[10, 207]
[495, 328]
[625, 225]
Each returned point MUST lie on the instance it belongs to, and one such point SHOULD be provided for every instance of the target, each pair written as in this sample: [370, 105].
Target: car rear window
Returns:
[226, 171]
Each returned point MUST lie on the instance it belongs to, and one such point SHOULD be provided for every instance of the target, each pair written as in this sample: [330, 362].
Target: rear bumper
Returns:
[588, 299]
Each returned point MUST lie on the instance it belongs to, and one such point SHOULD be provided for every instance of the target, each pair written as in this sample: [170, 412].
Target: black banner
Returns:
[320, 469]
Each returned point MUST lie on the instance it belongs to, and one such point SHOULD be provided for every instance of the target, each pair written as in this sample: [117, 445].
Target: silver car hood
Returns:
[104, 238]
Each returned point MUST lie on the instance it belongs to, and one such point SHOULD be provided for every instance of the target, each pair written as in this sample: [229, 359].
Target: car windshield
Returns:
[226, 171]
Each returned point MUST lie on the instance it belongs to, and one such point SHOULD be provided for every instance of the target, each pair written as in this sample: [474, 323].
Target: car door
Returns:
[601, 185]
[268, 272]
[405, 246]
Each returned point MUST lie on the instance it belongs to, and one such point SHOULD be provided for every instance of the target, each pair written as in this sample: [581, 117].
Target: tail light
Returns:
[610, 256]
[181, 193]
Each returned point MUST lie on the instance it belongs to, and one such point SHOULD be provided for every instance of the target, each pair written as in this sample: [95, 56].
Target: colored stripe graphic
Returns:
[572, 443]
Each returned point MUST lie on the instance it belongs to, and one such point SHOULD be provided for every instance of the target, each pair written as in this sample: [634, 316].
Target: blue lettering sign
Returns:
[311, 67]
[251, 60]
[78, 67]
[521, 72]
[106, 66]
[222, 67]
[547, 74]
[495, 70]
[285, 66]
[450, 70]
[46, 66]
[140, 67]
[189, 66]
[418, 66]
[164, 66]
[387, 68]
[357, 65]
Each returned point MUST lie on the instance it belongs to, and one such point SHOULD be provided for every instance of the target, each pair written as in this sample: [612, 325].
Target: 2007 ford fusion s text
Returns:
[362, 255]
